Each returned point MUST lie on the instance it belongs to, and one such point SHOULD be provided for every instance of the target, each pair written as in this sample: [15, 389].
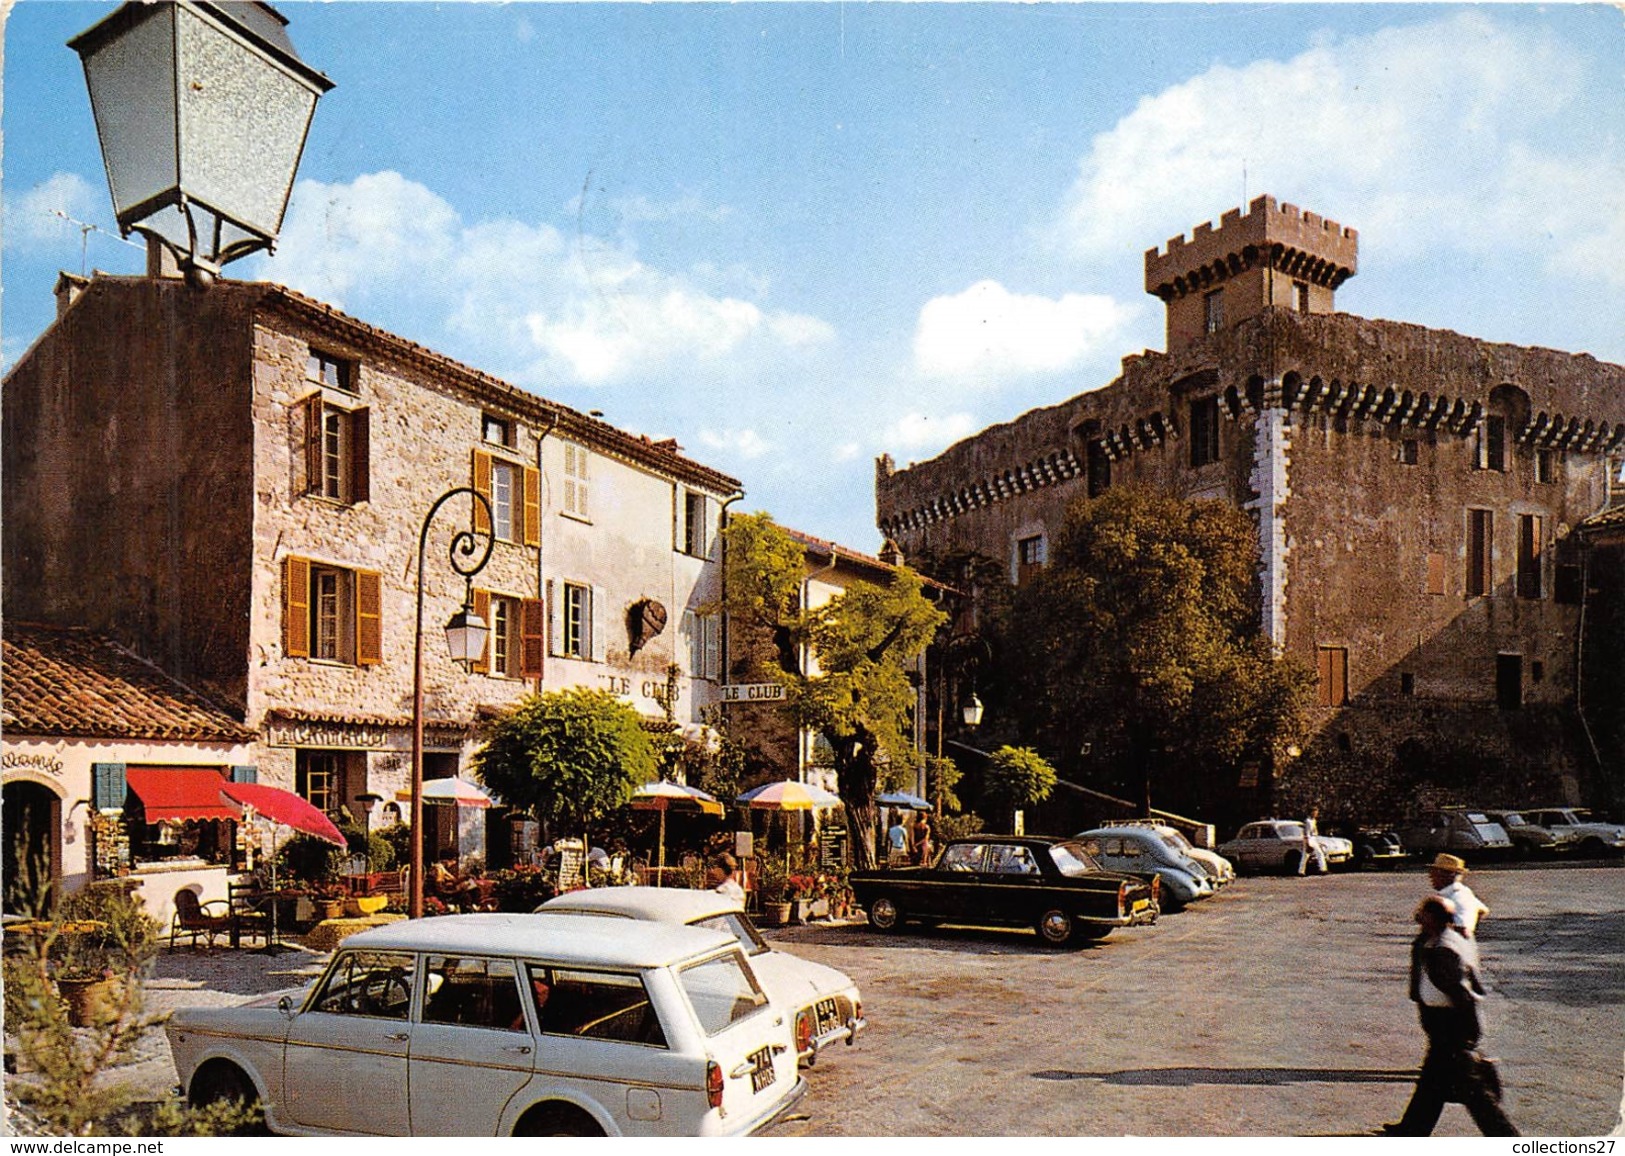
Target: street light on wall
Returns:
[202, 110]
[466, 634]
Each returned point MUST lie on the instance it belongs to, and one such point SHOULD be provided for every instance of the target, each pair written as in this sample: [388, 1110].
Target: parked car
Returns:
[1531, 838]
[1141, 852]
[1591, 834]
[1458, 832]
[1277, 845]
[497, 1025]
[1051, 885]
[1377, 847]
[828, 1008]
[1220, 871]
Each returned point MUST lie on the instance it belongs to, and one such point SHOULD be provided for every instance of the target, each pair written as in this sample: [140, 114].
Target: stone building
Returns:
[1414, 492]
[232, 483]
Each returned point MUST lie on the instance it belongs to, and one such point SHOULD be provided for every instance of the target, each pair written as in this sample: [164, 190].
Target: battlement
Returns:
[1269, 233]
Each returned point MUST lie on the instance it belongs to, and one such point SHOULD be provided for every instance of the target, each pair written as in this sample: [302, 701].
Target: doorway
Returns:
[32, 817]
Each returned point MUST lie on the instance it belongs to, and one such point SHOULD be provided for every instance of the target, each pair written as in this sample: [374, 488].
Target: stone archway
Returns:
[32, 820]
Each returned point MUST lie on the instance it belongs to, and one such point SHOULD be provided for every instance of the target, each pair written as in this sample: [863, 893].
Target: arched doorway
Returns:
[32, 818]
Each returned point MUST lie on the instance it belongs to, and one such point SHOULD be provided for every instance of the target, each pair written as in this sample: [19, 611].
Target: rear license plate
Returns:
[762, 1074]
[1141, 904]
[828, 1015]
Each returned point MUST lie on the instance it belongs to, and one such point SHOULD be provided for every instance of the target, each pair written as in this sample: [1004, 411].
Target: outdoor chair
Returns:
[193, 917]
[249, 909]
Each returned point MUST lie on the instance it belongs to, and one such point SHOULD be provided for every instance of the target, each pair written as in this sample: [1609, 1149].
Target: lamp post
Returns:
[465, 637]
[202, 110]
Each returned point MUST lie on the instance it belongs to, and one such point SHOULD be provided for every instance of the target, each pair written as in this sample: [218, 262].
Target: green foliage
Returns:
[568, 757]
[307, 859]
[1017, 777]
[942, 775]
[956, 826]
[522, 889]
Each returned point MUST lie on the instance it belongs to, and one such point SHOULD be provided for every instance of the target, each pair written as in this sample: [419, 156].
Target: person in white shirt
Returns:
[726, 871]
[1311, 846]
[1445, 873]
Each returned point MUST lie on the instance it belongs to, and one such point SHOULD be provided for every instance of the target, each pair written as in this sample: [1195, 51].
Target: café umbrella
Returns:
[663, 796]
[284, 809]
[903, 801]
[452, 790]
[788, 795]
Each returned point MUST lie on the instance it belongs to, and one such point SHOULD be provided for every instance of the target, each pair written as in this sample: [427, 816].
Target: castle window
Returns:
[1529, 555]
[1100, 469]
[1407, 684]
[1566, 581]
[1546, 466]
[1213, 311]
[1480, 547]
[1333, 666]
[1490, 445]
[1509, 681]
[1409, 452]
[1030, 558]
[1300, 296]
[1204, 431]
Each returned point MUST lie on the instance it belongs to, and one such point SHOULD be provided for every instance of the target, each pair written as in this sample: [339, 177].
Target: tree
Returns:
[859, 698]
[1140, 641]
[1017, 777]
[568, 757]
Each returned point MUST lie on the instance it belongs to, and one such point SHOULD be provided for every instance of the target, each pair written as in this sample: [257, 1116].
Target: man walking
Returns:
[1311, 845]
[1445, 874]
[1446, 988]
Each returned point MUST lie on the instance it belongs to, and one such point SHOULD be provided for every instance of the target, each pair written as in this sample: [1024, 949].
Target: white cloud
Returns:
[920, 432]
[32, 218]
[1461, 133]
[582, 308]
[846, 451]
[990, 333]
[745, 443]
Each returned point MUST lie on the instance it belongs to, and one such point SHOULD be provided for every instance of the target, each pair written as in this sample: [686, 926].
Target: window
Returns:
[575, 480]
[333, 372]
[1566, 581]
[576, 621]
[1436, 574]
[1099, 468]
[319, 779]
[1529, 555]
[722, 991]
[368, 983]
[1300, 296]
[1489, 444]
[1333, 664]
[336, 451]
[1546, 466]
[474, 993]
[331, 613]
[595, 1004]
[696, 524]
[1409, 452]
[497, 430]
[1204, 431]
[514, 493]
[1537, 670]
[1213, 311]
[1480, 547]
[1030, 558]
[513, 649]
[704, 644]
[1509, 681]
[1407, 683]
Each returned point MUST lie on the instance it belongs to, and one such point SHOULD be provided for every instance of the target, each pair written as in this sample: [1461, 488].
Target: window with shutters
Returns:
[513, 649]
[1480, 550]
[704, 644]
[1030, 558]
[1204, 431]
[337, 452]
[1333, 664]
[514, 494]
[331, 613]
[1213, 311]
[1490, 444]
[575, 480]
[333, 372]
[1529, 555]
[576, 621]
[696, 524]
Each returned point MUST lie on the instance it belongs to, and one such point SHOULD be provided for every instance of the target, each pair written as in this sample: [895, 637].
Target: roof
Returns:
[839, 553]
[1608, 520]
[565, 939]
[72, 682]
[662, 904]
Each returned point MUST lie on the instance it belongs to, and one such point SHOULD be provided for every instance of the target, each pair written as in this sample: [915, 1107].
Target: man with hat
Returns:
[1445, 874]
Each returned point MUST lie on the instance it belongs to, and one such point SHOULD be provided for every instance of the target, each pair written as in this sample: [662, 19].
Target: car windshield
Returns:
[736, 925]
[1513, 820]
[1289, 830]
[1072, 860]
[1175, 840]
[722, 991]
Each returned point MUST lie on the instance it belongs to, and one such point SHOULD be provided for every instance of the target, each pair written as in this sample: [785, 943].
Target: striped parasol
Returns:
[663, 796]
[788, 796]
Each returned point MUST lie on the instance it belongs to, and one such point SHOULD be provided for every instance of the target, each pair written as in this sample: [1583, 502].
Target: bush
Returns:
[521, 889]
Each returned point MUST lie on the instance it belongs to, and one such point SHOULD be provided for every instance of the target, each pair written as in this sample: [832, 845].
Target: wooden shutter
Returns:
[533, 506]
[1436, 574]
[482, 607]
[532, 641]
[712, 627]
[312, 407]
[482, 485]
[360, 455]
[597, 625]
[555, 622]
[369, 634]
[107, 786]
[296, 607]
[245, 774]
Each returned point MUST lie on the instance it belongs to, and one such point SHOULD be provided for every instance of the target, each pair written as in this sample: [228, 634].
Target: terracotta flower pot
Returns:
[776, 914]
[90, 1000]
[330, 908]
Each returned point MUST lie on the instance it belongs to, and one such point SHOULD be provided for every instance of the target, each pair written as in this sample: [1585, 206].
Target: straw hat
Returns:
[1449, 863]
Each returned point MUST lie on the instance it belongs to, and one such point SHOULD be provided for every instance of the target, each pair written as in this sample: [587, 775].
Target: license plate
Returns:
[828, 1014]
[762, 1074]
[1141, 904]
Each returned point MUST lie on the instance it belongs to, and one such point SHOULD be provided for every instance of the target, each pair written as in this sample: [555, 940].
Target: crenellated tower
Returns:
[1274, 255]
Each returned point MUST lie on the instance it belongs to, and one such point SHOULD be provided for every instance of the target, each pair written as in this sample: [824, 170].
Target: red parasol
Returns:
[286, 808]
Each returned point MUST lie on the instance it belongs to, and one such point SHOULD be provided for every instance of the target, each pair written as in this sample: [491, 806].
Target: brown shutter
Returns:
[482, 486]
[369, 634]
[312, 407]
[482, 607]
[532, 637]
[1436, 574]
[360, 453]
[296, 607]
[533, 506]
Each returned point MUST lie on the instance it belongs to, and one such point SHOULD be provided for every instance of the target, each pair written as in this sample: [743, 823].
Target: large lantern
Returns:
[202, 110]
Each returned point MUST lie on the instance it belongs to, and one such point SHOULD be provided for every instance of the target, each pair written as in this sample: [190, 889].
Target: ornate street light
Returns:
[202, 109]
[465, 638]
[971, 712]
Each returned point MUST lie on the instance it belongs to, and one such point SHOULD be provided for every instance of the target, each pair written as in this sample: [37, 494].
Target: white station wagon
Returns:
[498, 1025]
[828, 1008]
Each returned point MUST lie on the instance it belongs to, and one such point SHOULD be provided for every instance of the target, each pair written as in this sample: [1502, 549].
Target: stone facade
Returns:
[180, 476]
[1415, 492]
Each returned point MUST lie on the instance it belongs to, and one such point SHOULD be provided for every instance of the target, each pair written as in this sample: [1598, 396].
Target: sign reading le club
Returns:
[753, 692]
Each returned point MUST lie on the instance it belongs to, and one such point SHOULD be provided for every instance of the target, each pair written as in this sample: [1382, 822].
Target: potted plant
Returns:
[802, 891]
[772, 890]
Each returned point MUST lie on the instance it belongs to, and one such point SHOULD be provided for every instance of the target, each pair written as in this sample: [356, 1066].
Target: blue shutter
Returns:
[245, 774]
[108, 787]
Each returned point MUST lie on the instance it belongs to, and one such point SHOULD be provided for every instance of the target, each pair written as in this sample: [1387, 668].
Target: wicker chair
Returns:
[193, 917]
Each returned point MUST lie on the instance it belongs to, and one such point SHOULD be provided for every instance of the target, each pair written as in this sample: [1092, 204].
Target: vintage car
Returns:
[1591, 835]
[1458, 832]
[828, 1008]
[1051, 885]
[1277, 845]
[1220, 871]
[1530, 838]
[1141, 852]
[498, 1025]
[1377, 847]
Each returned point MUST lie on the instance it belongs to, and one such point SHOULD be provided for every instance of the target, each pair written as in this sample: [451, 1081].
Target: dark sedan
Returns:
[1050, 885]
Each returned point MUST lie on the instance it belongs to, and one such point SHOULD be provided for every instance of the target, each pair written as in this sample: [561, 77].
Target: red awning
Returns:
[170, 793]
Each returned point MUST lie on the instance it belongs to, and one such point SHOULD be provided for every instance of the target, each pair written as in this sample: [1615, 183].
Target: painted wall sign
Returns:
[32, 761]
[753, 692]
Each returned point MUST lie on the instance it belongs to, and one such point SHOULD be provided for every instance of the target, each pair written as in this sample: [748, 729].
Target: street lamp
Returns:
[971, 712]
[465, 638]
[202, 109]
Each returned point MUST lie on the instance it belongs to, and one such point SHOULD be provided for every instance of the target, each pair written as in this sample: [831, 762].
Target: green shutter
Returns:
[108, 787]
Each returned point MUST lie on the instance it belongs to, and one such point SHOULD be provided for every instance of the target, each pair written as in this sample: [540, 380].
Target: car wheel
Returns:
[557, 1120]
[884, 914]
[1055, 927]
[219, 1082]
[1593, 848]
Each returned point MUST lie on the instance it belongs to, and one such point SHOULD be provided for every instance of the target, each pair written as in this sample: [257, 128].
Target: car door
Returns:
[344, 1066]
[472, 1047]
[952, 888]
[1007, 888]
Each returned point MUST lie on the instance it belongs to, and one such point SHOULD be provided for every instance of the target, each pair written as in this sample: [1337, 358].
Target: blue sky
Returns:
[795, 236]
